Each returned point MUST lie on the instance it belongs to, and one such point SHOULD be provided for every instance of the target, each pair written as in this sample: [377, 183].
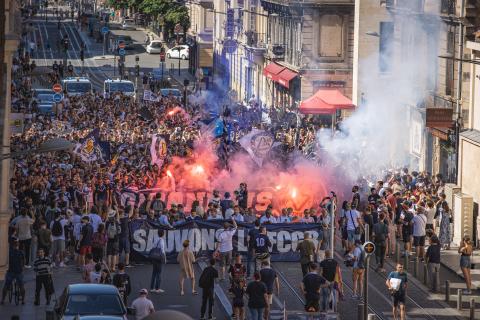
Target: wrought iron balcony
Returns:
[255, 40]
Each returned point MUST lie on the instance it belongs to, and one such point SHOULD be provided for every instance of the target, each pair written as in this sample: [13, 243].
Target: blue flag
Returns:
[91, 148]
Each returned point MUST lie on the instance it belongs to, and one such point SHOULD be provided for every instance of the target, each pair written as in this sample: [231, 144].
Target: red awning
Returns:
[325, 101]
[272, 71]
[285, 77]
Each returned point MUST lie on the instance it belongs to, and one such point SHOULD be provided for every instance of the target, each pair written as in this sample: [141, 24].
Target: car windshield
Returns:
[121, 87]
[156, 45]
[45, 97]
[125, 38]
[82, 304]
[78, 87]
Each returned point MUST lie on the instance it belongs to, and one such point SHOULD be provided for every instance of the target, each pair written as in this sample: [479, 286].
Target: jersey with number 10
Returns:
[262, 243]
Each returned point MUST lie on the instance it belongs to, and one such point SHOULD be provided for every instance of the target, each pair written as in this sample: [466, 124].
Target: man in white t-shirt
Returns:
[225, 245]
[95, 219]
[353, 222]
[419, 222]
[142, 305]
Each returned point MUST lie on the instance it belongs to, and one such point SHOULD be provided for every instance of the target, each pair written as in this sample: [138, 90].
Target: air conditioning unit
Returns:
[462, 217]
[450, 189]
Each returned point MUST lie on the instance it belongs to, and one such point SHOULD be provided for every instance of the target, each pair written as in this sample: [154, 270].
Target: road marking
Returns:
[44, 26]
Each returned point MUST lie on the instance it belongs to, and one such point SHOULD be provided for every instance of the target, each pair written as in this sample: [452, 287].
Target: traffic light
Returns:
[82, 55]
[66, 44]
[137, 70]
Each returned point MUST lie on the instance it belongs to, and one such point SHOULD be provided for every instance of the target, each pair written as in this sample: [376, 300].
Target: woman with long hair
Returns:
[466, 250]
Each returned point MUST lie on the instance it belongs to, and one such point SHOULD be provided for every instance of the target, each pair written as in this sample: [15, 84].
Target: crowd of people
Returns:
[69, 211]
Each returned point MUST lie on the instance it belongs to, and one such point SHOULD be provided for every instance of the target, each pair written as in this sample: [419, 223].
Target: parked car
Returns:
[128, 24]
[89, 299]
[155, 46]
[178, 52]
[44, 98]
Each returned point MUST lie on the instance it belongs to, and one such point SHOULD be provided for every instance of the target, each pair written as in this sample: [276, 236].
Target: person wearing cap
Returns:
[142, 305]
[113, 238]
[358, 269]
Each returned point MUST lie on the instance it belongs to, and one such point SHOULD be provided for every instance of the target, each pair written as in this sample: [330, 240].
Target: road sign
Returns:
[57, 97]
[105, 30]
[369, 247]
[121, 45]
[230, 45]
[57, 87]
[121, 52]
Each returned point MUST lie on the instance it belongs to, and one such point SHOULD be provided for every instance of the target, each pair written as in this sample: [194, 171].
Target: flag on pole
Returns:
[258, 144]
[92, 149]
[158, 150]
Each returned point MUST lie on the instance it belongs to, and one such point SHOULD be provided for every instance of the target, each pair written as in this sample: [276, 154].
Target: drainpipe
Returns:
[458, 107]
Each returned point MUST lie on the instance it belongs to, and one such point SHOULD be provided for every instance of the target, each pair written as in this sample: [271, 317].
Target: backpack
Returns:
[112, 230]
[98, 241]
[238, 272]
[57, 229]
[361, 260]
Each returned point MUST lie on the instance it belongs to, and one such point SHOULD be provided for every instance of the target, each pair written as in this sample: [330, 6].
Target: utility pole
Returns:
[137, 73]
[458, 106]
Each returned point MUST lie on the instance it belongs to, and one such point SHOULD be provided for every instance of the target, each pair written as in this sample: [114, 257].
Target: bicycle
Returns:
[14, 292]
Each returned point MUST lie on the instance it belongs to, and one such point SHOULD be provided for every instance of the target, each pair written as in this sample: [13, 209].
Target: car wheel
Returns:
[184, 57]
[168, 55]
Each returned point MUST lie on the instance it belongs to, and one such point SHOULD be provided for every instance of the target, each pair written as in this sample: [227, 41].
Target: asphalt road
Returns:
[97, 66]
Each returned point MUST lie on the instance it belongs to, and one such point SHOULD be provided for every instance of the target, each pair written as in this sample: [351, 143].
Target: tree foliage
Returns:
[119, 4]
[155, 7]
[178, 14]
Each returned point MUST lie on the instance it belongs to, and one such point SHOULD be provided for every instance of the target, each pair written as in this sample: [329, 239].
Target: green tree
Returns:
[178, 14]
[119, 4]
[155, 7]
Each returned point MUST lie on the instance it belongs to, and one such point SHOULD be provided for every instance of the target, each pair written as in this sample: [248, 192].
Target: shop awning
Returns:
[272, 70]
[285, 77]
[325, 101]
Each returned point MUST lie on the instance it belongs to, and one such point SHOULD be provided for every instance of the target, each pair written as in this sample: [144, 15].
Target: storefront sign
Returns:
[439, 117]
[441, 134]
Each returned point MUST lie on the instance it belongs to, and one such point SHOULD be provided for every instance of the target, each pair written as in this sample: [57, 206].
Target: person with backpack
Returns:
[237, 271]
[158, 257]
[121, 280]
[358, 269]
[57, 226]
[380, 236]
[307, 251]
[99, 241]
[207, 283]
[113, 232]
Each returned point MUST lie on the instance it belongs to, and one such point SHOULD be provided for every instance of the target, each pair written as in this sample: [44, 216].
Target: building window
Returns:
[331, 42]
[386, 46]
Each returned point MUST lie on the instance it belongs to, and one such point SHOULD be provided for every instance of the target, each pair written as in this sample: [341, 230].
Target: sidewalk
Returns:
[451, 260]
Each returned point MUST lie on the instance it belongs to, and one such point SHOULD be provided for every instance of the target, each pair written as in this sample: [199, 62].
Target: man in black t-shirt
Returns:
[330, 268]
[257, 296]
[252, 233]
[312, 285]
[84, 245]
[207, 283]
[269, 277]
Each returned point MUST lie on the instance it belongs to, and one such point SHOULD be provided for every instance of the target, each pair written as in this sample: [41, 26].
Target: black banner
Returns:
[203, 236]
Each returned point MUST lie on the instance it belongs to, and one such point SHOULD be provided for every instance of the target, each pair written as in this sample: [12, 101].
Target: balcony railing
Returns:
[318, 2]
[255, 40]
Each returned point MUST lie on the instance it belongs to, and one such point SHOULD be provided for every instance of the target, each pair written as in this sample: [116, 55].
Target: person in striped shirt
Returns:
[42, 268]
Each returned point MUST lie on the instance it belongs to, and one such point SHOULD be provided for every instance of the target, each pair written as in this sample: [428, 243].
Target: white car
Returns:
[128, 24]
[178, 52]
[155, 46]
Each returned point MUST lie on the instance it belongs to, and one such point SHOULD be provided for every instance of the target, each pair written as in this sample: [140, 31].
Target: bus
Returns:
[76, 86]
[113, 86]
